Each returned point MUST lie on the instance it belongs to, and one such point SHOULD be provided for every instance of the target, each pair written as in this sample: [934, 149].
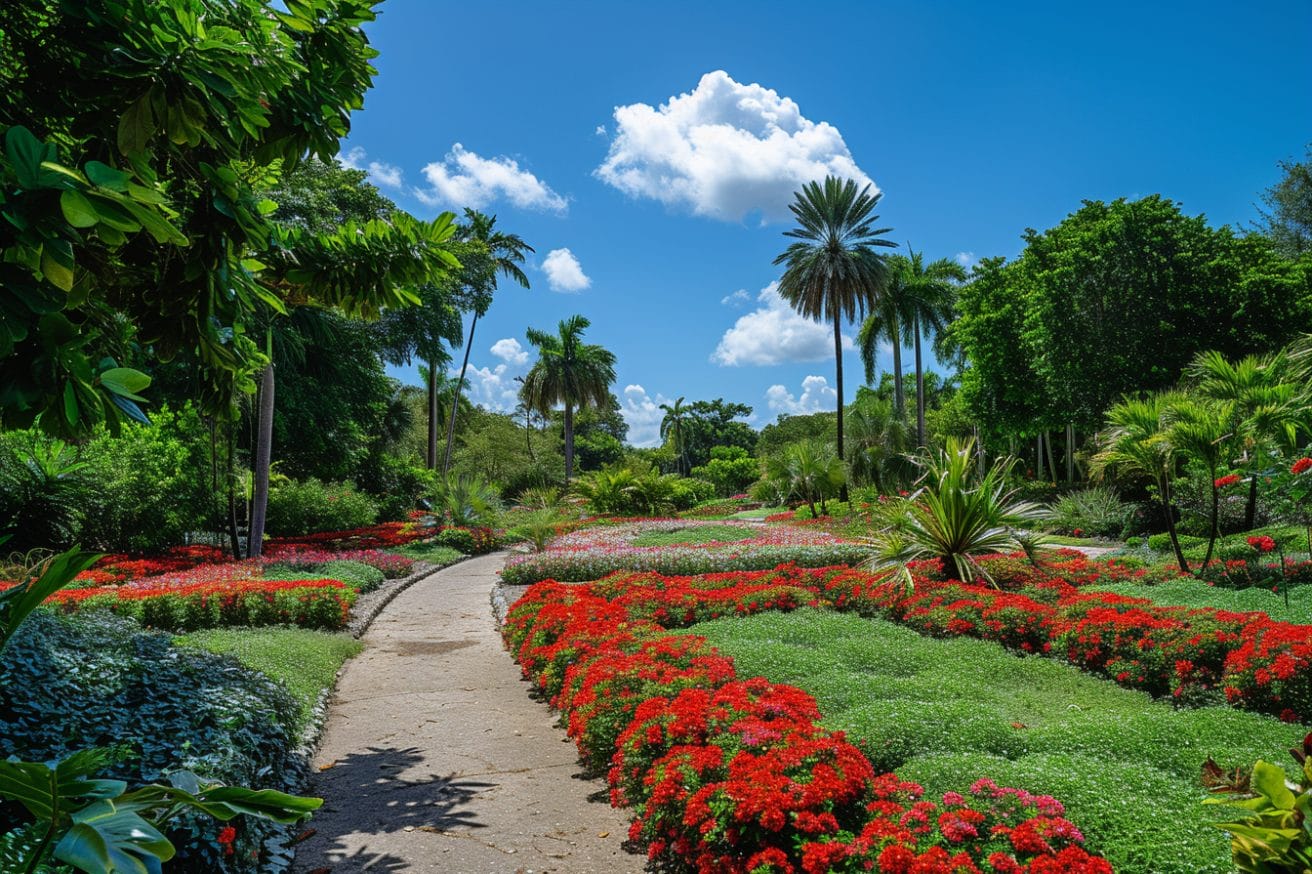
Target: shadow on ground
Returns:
[370, 797]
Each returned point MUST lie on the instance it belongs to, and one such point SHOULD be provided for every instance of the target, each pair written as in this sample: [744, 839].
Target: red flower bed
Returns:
[727, 775]
[306, 603]
[378, 536]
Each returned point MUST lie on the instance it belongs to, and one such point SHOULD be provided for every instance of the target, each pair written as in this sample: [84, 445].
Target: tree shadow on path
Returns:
[364, 793]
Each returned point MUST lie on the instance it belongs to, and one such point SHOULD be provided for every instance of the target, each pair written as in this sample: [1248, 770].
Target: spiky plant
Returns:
[957, 514]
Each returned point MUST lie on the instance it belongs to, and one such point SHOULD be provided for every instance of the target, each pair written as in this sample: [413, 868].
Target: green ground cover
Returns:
[695, 534]
[1194, 593]
[945, 712]
[304, 661]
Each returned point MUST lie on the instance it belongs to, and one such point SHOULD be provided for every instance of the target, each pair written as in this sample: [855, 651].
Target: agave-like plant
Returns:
[956, 514]
[466, 499]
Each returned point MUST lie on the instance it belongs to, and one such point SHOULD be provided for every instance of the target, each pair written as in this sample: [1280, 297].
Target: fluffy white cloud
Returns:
[643, 415]
[725, 150]
[966, 259]
[380, 174]
[509, 351]
[816, 397]
[491, 387]
[564, 273]
[737, 299]
[774, 333]
[463, 178]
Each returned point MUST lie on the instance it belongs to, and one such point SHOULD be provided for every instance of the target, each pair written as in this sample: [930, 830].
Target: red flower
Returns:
[1303, 465]
[1227, 480]
[1263, 543]
[227, 835]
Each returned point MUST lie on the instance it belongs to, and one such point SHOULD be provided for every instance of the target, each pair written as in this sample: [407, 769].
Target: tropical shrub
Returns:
[470, 541]
[394, 484]
[808, 471]
[627, 489]
[42, 495]
[1094, 512]
[98, 681]
[956, 515]
[730, 470]
[299, 507]
[686, 492]
[466, 499]
[1275, 834]
[354, 574]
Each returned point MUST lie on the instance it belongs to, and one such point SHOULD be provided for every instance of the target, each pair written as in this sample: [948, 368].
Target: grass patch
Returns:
[438, 555]
[758, 513]
[1067, 540]
[304, 661]
[945, 712]
[695, 534]
[1192, 593]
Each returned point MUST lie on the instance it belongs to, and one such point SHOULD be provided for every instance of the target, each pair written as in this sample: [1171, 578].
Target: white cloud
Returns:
[816, 397]
[643, 415]
[601, 130]
[380, 174]
[737, 299]
[774, 333]
[725, 150]
[965, 259]
[564, 273]
[509, 351]
[464, 178]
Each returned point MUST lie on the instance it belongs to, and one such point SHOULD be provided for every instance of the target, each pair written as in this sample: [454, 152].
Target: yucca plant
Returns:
[956, 514]
[466, 499]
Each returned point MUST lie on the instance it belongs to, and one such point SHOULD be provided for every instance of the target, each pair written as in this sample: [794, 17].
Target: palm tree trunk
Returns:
[569, 442]
[1164, 488]
[838, 362]
[432, 415]
[1052, 463]
[455, 402]
[263, 455]
[233, 536]
[920, 389]
[1213, 532]
[899, 399]
[1070, 452]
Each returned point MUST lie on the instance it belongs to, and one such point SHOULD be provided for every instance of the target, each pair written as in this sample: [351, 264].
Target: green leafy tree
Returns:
[568, 372]
[1287, 208]
[833, 272]
[731, 469]
[712, 423]
[672, 424]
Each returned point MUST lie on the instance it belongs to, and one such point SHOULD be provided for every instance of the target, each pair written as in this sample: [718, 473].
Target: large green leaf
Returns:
[108, 839]
[77, 209]
[125, 381]
[25, 152]
[18, 602]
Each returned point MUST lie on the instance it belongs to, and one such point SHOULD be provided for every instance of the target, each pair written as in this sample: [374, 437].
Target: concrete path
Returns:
[435, 758]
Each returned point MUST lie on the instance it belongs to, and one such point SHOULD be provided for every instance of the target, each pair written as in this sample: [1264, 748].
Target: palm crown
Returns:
[569, 372]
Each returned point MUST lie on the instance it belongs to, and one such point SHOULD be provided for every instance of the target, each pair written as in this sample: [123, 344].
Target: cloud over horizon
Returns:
[774, 333]
[816, 397]
[466, 179]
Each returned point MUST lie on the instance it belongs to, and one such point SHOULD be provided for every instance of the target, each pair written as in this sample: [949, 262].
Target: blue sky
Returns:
[658, 144]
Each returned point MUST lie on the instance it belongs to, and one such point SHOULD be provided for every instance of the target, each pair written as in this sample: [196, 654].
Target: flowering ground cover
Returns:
[726, 774]
[591, 553]
[1192, 593]
[942, 712]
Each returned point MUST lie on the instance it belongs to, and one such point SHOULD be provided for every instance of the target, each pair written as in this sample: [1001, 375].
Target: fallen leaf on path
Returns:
[329, 766]
[603, 834]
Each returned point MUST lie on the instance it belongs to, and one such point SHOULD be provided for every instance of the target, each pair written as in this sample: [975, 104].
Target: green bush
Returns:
[1162, 542]
[730, 470]
[687, 492]
[394, 484]
[1094, 512]
[99, 681]
[470, 541]
[42, 493]
[309, 506]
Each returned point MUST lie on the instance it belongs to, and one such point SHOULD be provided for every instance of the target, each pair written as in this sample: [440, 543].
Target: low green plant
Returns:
[466, 499]
[1094, 512]
[1275, 835]
[41, 492]
[536, 527]
[432, 553]
[808, 470]
[540, 498]
[37, 584]
[627, 488]
[956, 514]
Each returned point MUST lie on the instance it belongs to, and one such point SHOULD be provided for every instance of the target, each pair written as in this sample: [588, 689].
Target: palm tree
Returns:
[878, 453]
[507, 253]
[1136, 442]
[833, 272]
[917, 303]
[672, 429]
[1264, 407]
[809, 470]
[1198, 429]
[570, 372]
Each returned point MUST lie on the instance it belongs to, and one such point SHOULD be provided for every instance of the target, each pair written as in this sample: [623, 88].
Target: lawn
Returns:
[944, 712]
[696, 534]
[304, 661]
[438, 555]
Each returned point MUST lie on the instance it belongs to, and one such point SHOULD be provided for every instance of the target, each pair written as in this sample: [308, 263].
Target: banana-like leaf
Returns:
[108, 839]
[18, 602]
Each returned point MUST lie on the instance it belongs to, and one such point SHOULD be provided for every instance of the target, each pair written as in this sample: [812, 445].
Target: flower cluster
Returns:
[1303, 465]
[731, 775]
[391, 564]
[1227, 480]
[306, 603]
[380, 536]
[1262, 543]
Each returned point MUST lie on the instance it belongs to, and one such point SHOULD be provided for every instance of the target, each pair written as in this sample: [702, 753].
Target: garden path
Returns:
[435, 758]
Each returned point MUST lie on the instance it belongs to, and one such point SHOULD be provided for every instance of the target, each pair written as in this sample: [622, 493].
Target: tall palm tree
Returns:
[507, 253]
[833, 272]
[917, 303]
[672, 429]
[569, 372]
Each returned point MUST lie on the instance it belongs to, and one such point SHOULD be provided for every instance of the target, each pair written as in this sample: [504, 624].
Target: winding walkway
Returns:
[435, 758]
